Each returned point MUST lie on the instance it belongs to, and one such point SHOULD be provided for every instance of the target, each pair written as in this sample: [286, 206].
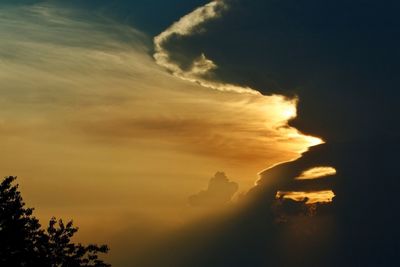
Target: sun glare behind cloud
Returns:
[316, 172]
[324, 196]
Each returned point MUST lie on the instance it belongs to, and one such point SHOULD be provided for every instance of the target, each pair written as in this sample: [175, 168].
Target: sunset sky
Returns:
[144, 121]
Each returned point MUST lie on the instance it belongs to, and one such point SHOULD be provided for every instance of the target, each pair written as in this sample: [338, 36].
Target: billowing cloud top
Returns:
[219, 191]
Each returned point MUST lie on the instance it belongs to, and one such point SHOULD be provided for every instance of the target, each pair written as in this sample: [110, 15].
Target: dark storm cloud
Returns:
[327, 53]
[219, 192]
[341, 58]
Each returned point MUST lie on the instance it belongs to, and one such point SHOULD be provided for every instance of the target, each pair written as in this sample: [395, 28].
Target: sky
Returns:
[152, 121]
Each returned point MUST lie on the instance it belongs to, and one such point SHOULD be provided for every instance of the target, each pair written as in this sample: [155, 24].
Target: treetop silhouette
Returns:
[24, 243]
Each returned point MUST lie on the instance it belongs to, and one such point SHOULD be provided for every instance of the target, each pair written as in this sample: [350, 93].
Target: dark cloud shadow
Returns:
[250, 235]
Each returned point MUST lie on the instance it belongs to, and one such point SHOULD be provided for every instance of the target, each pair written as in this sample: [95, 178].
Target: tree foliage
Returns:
[24, 243]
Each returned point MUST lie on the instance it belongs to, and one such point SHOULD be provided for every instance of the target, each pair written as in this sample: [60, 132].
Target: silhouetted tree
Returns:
[24, 243]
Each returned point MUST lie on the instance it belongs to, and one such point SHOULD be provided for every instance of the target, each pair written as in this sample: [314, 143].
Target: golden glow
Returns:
[324, 196]
[290, 112]
[95, 129]
[106, 116]
[316, 172]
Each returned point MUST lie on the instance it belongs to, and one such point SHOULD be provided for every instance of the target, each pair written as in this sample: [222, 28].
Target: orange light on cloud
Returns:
[324, 196]
[316, 172]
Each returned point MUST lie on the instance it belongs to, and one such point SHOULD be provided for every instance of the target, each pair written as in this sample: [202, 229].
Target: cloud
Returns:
[189, 25]
[82, 95]
[338, 86]
[316, 172]
[184, 27]
[101, 87]
[219, 192]
[324, 196]
[199, 70]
